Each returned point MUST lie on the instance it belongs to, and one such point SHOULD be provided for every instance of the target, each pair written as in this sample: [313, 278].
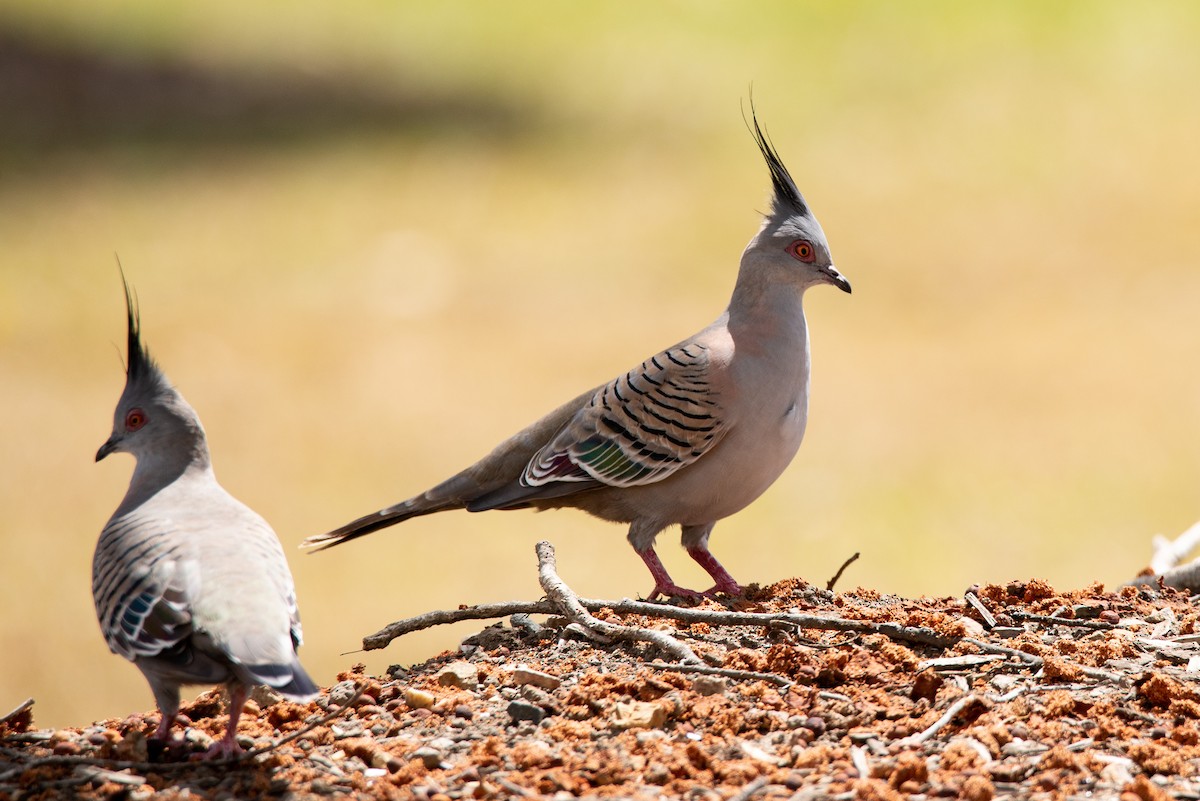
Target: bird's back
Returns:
[192, 566]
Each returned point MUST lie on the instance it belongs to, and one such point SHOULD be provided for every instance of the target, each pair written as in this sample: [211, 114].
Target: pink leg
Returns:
[166, 695]
[163, 732]
[724, 581]
[663, 585]
[228, 746]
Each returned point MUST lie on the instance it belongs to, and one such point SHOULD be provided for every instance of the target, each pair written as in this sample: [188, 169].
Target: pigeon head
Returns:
[152, 418]
[790, 233]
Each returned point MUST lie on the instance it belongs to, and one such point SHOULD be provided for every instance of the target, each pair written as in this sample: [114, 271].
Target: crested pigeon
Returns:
[190, 585]
[691, 435]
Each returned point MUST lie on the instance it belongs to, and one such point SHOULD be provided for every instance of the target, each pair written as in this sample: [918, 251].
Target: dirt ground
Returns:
[1084, 694]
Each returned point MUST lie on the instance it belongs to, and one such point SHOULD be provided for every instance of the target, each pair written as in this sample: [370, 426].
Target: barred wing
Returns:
[140, 584]
[638, 429]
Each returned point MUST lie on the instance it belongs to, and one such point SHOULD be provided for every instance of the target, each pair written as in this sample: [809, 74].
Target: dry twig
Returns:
[989, 620]
[729, 673]
[1164, 563]
[445, 617]
[940, 723]
[916, 635]
[1029, 617]
[750, 790]
[26, 704]
[1169, 553]
[830, 584]
[568, 603]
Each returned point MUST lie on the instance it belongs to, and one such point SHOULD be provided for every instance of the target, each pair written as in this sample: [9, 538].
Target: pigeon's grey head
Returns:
[151, 418]
[790, 233]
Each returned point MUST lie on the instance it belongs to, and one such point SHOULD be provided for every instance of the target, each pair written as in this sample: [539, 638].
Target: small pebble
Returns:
[341, 692]
[382, 759]
[459, 674]
[418, 699]
[657, 773]
[349, 728]
[523, 710]
[527, 675]
[197, 738]
[710, 685]
[638, 715]
[431, 757]
[536, 695]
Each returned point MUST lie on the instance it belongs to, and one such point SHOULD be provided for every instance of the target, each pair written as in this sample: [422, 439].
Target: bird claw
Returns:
[667, 591]
[724, 587]
[225, 748]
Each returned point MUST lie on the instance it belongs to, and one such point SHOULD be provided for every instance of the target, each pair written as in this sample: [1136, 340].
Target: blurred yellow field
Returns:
[528, 202]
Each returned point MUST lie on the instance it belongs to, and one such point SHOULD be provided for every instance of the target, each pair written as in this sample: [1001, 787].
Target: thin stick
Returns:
[408, 625]
[750, 790]
[989, 620]
[568, 602]
[829, 584]
[741, 675]
[1030, 617]
[917, 635]
[513, 787]
[1032, 660]
[1169, 553]
[858, 756]
[26, 704]
[1184, 577]
[1035, 661]
[940, 723]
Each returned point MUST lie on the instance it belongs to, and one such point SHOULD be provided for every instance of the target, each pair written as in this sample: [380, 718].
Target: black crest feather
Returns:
[787, 196]
[139, 367]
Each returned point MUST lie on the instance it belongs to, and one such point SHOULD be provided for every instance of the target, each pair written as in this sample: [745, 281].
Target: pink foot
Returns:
[725, 582]
[663, 585]
[670, 590]
[723, 589]
[225, 748]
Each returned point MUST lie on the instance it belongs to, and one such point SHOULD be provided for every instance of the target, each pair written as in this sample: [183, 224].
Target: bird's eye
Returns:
[135, 419]
[803, 250]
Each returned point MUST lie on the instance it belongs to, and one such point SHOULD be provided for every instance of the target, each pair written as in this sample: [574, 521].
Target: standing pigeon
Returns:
[689, 436]
[190, 584]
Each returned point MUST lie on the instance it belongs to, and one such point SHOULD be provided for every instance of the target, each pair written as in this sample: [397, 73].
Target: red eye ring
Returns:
[803, 250]
[135, 419]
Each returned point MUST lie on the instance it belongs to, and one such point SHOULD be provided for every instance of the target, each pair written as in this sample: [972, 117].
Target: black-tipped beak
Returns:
[106, 448]
[836, 278]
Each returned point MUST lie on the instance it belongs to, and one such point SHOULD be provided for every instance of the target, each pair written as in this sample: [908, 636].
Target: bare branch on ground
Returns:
[568, 602]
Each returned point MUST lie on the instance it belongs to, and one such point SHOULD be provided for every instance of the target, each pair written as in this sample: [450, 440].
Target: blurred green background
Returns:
[372, 239]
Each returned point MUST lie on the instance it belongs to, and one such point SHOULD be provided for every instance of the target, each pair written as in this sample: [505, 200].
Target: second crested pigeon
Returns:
[190, 584]
[691, 435]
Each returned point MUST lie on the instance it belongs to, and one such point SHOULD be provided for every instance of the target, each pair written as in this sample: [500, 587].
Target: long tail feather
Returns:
[368, 524]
